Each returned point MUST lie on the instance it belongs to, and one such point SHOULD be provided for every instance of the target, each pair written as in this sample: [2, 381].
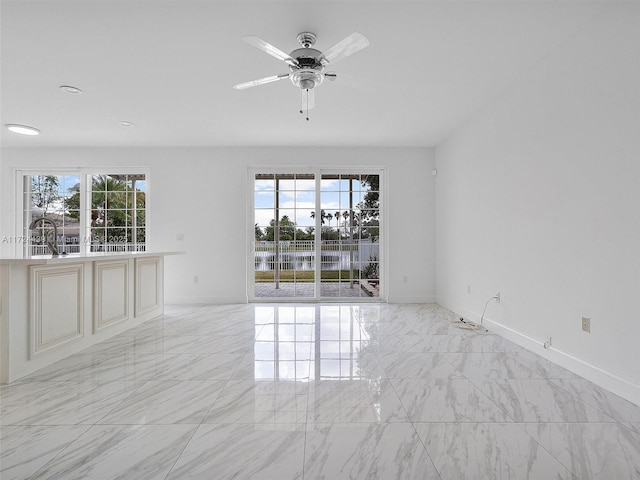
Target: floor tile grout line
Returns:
[426, 450]
[492, 401]
[198, 426]
[413, 425]
[62, 450]
[578, 398]
[519, 425]
[187, 443]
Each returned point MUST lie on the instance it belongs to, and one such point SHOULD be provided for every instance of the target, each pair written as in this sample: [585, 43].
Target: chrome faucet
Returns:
[52, 244]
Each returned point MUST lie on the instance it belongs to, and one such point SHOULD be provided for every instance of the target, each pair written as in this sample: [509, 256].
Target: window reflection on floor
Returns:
[326, 349]
[303, 343]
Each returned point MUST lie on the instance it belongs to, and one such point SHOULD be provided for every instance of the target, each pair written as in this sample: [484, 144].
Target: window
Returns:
[118, 215]
[316, 234]
[91, 212]
[54, 197]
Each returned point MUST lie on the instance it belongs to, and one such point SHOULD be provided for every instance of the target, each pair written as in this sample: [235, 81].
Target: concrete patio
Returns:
[306, 290]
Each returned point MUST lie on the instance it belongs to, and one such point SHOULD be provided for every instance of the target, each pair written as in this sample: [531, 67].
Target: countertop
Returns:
[80, 257]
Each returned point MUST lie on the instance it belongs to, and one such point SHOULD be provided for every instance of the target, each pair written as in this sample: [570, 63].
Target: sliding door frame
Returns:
[317, 172]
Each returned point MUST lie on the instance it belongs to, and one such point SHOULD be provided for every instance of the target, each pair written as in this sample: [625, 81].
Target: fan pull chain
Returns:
[301, 101]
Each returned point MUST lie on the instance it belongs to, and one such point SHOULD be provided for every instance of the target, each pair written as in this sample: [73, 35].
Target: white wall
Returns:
[538, 197]
[201, 193]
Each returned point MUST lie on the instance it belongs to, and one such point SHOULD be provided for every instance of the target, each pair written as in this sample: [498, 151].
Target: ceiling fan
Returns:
[306, 65]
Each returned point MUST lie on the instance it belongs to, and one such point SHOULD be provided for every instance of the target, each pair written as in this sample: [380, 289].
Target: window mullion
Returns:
[318, 236]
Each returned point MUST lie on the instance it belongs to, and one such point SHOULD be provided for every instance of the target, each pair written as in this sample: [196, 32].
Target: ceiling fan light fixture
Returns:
[307, 84]
[307, 78]
[22, 129]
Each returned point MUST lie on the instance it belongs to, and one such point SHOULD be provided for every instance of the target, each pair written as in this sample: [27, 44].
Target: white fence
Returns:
[301, 254]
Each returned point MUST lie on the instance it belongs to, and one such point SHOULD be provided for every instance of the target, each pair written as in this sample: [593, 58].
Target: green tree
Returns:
[304, 234]
[308, 234]
[329, 233]
[111, 209]
[370, 205]
[73, 202]
[259, 234]
[44, 191]
[287, 229]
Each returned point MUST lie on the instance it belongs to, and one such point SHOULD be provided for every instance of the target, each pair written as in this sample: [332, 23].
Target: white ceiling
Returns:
[169, 66]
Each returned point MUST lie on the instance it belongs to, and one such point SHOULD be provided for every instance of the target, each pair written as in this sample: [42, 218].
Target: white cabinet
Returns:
[111, 293]
[56, 299]
[51, 308]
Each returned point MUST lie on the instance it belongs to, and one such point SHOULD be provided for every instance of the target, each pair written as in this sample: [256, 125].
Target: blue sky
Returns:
[298, 199]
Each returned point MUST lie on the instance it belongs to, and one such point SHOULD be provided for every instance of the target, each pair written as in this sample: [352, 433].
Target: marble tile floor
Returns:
[304, 290]
[369, 391]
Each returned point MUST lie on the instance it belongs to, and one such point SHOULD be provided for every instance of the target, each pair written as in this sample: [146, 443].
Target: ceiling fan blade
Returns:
[270, 49]
[350, 81]
[260, 81]
[344, 48]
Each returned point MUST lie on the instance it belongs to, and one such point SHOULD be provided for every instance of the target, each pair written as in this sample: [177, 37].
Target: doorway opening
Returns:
[316, 236]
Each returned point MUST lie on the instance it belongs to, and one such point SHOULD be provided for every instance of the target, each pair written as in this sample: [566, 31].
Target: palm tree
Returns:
[110, 209]
[323, 215]
[345, 215]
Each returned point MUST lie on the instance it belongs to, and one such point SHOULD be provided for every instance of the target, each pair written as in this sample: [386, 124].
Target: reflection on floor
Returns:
[309, 392]
[307, 290]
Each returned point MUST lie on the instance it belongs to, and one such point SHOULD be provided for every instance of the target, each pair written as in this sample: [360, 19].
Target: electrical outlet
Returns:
[586, 324]
[498, 297]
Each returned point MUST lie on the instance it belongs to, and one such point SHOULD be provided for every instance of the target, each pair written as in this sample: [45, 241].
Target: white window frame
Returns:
[19, 174]
[317, 172]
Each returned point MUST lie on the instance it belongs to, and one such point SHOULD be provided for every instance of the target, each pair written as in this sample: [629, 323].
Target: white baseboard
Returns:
[394, 299]
[205, 300]
[603, 378]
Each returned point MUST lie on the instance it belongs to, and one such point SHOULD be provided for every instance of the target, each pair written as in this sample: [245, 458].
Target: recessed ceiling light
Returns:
[22, 129]
[126, 124]
[70, 89]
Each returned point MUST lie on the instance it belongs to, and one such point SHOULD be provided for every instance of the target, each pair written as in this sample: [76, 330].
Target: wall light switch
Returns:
[586, 324]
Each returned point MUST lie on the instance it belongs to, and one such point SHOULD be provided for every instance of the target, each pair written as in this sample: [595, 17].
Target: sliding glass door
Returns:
[284, 235]
[315, 235]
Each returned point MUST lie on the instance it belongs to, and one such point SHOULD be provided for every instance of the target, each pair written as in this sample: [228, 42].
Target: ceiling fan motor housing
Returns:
[308, 72]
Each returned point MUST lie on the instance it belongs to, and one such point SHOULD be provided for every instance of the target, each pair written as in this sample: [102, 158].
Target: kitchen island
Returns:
[52, 307]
